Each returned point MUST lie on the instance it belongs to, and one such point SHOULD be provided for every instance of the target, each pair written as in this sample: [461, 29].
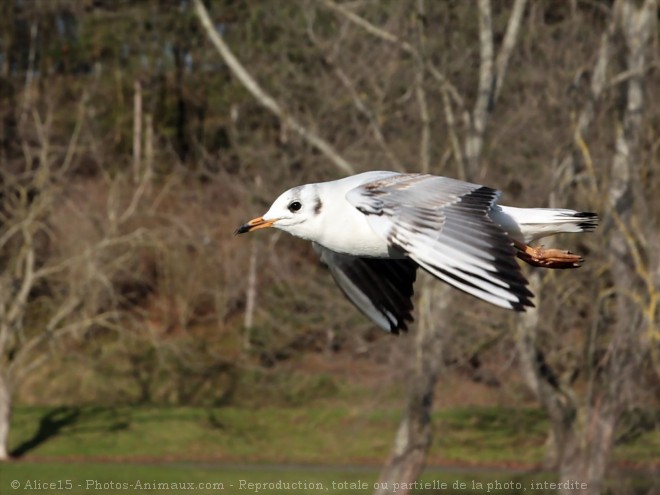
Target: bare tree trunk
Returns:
[581, 437]
[583, 427]
[5, 417]
[562, 406]
[414, 436]
[628, 346]
[586, 450]
[137, 129]
[415, 433]
[251, 298]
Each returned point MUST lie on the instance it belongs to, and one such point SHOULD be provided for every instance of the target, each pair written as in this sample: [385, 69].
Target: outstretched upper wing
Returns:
[443, 225]
[381, 288]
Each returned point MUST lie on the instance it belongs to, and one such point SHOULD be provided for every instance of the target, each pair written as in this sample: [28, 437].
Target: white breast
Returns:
[349, 232]
[346, 229]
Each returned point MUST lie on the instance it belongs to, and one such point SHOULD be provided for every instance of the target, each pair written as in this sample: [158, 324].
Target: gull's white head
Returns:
[296, 211]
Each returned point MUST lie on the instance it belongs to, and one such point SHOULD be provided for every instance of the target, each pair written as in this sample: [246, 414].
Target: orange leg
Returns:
[547, 258]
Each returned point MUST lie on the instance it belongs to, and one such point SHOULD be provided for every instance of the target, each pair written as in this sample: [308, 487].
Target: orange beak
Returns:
[254, 224]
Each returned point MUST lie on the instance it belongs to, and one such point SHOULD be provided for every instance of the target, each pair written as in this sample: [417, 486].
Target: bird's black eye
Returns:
[295, 206]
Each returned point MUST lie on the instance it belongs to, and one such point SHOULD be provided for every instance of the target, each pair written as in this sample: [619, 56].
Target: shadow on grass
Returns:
[55, 421]
[49, 426]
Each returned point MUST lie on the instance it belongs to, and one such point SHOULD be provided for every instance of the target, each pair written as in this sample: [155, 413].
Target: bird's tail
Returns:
[535, 223]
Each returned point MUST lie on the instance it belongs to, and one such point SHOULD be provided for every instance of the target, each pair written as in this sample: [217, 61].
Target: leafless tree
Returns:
[264, 98]
[620, 340]
[58, 264]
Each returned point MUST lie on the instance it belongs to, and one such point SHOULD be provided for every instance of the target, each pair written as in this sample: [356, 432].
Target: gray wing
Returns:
[381, 288]
[444, 225]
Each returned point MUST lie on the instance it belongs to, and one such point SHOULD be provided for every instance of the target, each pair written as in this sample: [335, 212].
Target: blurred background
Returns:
[135, 327]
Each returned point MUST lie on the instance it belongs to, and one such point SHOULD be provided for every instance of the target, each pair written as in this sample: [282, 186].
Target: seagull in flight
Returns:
[373, 230]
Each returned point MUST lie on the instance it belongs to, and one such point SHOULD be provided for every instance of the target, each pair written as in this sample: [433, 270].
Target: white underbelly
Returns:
[358, 244]
[353, 235]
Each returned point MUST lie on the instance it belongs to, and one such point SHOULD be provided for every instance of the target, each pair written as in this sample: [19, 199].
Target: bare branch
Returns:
[358, 102]
[570, 167]
[420, 92]
[368, 114]
[19, 367]
[622, 77]
[145, 180]
[491, 77]
[370, 28]
[457, 151]
[401, 44]
[27, 276]
[264, 98]
[137, 128]
[508, 44]
[598, 78]
[29, 74]
[103, 244]
[73, 142]
[485, 92]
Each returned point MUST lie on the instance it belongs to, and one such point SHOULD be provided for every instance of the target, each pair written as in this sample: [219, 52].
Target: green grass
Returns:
[99, 449]
[337, 435]
[490, 435]
[322, 435]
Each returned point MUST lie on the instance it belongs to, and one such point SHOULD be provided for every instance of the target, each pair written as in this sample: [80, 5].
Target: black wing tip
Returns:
[590, 221]
[401, 325]
[519, 289]
[522, 305]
